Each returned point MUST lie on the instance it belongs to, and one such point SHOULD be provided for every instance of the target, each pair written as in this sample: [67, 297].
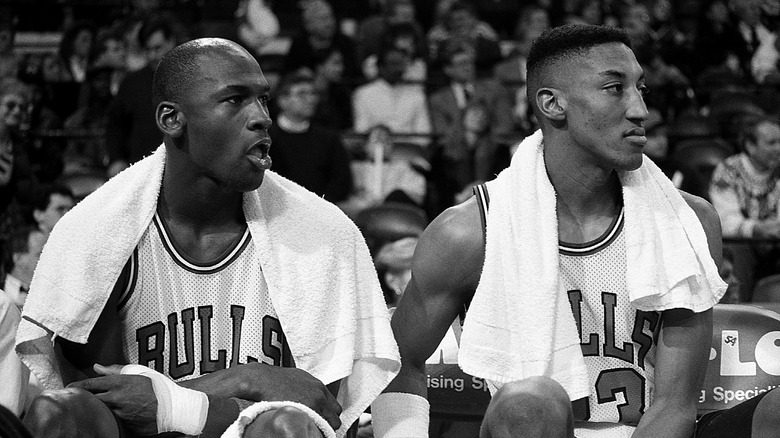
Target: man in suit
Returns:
[473, 118]
[131, 132]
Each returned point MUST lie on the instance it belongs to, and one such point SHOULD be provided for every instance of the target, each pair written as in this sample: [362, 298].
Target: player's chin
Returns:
[630, 163]
[250, 182]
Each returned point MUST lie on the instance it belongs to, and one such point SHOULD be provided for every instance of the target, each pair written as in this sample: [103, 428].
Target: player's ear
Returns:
[170, 119]
[551, 103]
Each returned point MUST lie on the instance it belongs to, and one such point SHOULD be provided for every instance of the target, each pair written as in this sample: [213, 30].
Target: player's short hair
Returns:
[562, 43]
[179, 68]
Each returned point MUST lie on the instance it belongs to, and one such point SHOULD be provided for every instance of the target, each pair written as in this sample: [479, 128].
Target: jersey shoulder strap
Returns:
[483, 202]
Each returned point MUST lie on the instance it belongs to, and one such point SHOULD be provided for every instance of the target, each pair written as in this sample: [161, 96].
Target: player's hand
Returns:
[130, 397]
[261, 382]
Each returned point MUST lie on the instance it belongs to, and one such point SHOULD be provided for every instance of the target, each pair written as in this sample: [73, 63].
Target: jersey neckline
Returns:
[191, 265]
[596, 245]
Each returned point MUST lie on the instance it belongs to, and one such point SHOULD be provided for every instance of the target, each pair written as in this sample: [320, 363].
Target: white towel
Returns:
[318, 269]
[520, 323]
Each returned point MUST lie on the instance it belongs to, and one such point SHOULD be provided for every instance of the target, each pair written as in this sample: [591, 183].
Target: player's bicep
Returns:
[710, 221]
[445, 271]
[104, 345]
[682, 355]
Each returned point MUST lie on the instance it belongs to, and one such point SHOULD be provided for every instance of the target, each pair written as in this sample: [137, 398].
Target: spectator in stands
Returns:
[9, 61]
[49, 203]
[320, 35]
[35, 71]
[16, 176]
[111, 51]
[393, 264]
[462, 26]
[74, 50]
[131, 132]
[22, 254]
[759, 55]
[257, 24]
[719, 47]
[371, 32]
[88, 152]
[745, 190]
[473, 119]
[387, 101]
[334, 103]
[532, 21]
[404, 36]
[379, 175]
[308, 154]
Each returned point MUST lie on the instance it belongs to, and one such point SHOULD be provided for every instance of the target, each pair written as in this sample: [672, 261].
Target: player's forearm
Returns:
[667, 421]
[409, 380]
[222, 413]
[231, 382]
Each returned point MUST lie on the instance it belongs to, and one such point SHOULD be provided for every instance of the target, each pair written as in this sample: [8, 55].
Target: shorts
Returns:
[736, 422]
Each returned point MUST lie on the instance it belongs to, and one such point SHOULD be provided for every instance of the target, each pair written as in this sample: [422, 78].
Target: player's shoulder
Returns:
[710, 222]
[703, 209]
[460, 225]
[452, 247]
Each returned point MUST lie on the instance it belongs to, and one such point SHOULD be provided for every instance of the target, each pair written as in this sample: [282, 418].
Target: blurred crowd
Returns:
[388, 102]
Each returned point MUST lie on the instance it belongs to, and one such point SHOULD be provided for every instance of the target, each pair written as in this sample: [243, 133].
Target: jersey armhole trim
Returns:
[128, 277]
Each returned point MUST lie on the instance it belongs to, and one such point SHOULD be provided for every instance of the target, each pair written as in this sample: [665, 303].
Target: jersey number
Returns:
[609, 384]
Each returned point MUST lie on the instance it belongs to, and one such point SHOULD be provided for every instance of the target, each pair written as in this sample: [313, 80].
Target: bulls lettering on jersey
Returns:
[151, 343]
[186, 319]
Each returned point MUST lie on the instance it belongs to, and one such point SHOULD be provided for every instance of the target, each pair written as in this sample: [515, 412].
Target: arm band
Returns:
[398, 414]
[236, 430]
[179, 409]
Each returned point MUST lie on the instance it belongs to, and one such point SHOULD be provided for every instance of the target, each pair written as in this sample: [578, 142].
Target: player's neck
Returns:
[586, 202]
[200, 209]
[202, 239]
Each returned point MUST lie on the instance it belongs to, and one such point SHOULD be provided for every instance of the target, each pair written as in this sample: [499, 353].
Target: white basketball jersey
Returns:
[617, 340]
[185, 319]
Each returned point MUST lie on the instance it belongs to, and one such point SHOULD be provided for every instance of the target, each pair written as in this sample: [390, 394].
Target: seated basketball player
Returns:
[587, 277]
[197, 282]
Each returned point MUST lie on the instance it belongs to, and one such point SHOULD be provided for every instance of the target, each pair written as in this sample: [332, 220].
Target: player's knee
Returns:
[59, 412]
[530, 400]
[285, 422]
[57, 404]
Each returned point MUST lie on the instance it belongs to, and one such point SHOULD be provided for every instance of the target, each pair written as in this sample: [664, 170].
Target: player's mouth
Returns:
[637, 136]
[258, 154]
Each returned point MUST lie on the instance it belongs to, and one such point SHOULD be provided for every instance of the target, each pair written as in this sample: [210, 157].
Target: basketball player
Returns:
[193, 301]
[586, 89]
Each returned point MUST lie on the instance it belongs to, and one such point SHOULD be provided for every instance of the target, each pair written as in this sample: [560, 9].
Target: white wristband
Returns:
[236, 430]
[179, 409]
[398, 414]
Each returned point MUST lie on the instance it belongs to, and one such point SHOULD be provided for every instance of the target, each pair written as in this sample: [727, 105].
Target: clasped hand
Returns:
[132, 398]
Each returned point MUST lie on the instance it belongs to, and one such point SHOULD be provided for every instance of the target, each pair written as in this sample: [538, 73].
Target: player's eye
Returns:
[234, 99]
